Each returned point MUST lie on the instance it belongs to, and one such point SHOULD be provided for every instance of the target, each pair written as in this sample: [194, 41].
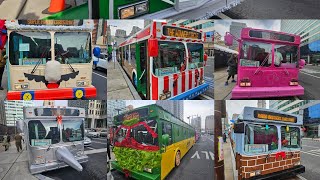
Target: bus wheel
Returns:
[178, 158]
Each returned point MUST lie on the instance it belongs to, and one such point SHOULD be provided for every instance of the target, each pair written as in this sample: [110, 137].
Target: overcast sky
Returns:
[125, 25]
[57, 102]
[223, 26]
[191, 107]
[236, 106]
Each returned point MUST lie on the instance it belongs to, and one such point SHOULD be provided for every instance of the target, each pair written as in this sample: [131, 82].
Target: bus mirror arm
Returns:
[228, 39]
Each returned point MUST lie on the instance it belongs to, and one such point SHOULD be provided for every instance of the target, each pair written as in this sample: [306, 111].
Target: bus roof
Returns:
[263, 35]
[152, 110]
[53, 111]
[269, 116]
[53, 25]
[165, 31]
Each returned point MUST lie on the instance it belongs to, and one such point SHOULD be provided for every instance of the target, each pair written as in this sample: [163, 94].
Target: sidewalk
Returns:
[14, 165]
[221, 91]
[28, 9]
[229, 161]
[119, 85]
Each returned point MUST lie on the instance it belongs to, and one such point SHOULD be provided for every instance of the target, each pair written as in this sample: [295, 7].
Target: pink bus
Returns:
[268, 64]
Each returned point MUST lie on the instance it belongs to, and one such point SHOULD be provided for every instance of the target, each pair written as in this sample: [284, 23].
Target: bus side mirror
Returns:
[228, 39]
[96, 52]
[238, 128]
[302, 63]
[153, 47]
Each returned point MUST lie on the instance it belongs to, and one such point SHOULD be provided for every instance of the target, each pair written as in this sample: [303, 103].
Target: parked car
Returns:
[100, 62]
[87, 141]
[104, 133]
[93, 133]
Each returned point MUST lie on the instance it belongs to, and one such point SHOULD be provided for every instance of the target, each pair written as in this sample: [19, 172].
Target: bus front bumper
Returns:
[36, 169]
[265, 92]
[136, 175]
[281, 174]
[51, 94]
[192, 93]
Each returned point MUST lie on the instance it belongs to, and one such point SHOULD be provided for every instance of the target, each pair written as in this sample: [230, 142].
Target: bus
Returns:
[268, 64]
[267, 144]
[49, 59]
[165, 61]
[150, 142]
[54, 137]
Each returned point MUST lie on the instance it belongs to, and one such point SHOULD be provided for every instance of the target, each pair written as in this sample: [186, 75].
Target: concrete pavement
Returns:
[221, 91]
[229, 162]
[119, 85]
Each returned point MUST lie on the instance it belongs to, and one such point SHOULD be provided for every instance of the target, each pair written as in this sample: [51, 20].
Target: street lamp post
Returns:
[219, 113]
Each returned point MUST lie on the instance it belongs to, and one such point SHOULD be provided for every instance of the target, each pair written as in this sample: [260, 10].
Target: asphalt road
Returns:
[197, 164]
[275, 9]
[309, 78]
[310, 158]
[208, 77]
[99, 80]
[94, 169]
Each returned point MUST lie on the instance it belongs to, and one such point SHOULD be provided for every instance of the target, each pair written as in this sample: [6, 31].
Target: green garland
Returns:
[137, 160]
[131, 122]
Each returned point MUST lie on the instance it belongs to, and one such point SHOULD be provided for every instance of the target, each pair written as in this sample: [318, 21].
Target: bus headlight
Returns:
[296, 163]
[165, 95]
[294, 82]
[149, 170]
[255, 173]
[245, 82]
[82, 83]
[19, 86]
[133, 10]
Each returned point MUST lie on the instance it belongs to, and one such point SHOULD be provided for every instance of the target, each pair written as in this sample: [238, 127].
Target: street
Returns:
[197, 164]
[99, 80]
[208, 77]
[275, 9]
[95, 168]
[310, 158]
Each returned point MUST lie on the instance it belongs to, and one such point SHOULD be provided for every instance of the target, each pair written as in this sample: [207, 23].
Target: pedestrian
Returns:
[232, 68]
[3, 61]
[6, 142]
[224, 137]
[108, 148]
[18, 139]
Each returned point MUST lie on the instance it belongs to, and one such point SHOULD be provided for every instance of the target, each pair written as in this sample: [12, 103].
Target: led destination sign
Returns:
[180, 32]
[271, 35]
[274, 116]
[51, 22]
[140, 113]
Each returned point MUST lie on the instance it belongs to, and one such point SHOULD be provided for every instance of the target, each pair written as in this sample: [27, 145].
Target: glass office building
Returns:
[309, 30]
[311, 119]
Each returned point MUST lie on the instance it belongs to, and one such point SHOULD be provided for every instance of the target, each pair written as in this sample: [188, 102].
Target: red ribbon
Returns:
[126, 172]
[281, 154]
[59, 119]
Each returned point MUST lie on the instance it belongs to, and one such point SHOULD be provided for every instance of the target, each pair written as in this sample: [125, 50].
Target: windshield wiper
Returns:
[39, 61]
[262, 64]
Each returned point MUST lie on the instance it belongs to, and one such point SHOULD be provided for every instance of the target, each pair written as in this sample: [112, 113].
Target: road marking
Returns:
[98, 142]
[212, 155]
[207, 155]
[99, 75]
[90, 148]
[310, 146]
[94, 151]
[302, 178]
[196, 154]
[313, 154]
[310, 74]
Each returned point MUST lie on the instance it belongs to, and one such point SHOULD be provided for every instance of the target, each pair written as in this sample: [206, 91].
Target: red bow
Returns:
[59, 119]
[126, 172]
[281, 154]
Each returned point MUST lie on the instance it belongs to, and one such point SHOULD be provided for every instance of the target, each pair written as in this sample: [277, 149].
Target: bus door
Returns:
[168, 156]
[142, 70]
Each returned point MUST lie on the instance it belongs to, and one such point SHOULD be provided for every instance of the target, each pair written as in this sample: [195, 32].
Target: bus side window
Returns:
[167, 129]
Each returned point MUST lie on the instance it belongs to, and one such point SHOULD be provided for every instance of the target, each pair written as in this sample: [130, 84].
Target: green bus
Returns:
[149, 142]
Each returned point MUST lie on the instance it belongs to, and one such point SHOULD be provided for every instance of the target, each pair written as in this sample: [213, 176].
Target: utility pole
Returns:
[219, 113]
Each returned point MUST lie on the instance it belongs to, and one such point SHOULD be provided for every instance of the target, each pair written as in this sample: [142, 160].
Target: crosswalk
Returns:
[203, 155]
[315, 152]
[210, 81]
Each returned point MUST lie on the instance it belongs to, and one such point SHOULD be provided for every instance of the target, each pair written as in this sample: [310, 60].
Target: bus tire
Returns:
[178, 159]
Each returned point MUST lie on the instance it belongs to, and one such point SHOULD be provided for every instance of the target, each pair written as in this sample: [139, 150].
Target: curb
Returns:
[235, 173]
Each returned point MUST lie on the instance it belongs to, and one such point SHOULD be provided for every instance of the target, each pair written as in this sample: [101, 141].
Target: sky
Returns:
[236, 106]
[191, 107]
[125, 25]
[223, 26]
[57, 103]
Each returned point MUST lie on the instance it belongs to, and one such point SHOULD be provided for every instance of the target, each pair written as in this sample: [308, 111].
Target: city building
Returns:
[114, 108]
[209, 124]
[174, 107]
[311, 119]
[196, 122]
[290, 106]
[14, 111]
[235, 29]
[120, 36]
[134, 30]
[262, 104]
[2, 113]
[309, 30]
[79, 104]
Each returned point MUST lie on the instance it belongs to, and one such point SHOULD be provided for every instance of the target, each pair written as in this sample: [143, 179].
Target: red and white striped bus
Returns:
[165, 61]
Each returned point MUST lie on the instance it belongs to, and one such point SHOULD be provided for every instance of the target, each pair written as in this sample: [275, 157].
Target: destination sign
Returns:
[271, 35]
[51, 22]
[274, 116]
[180, 32]
[134, 115]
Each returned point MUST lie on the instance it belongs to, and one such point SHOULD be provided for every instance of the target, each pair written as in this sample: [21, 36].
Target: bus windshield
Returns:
[291, 138]
[72, 131]
[171, 58]
[286, 56]
[43, 132]
[72, 47]
[195, 51]
[29, 48]
[260, 139]
[255, 54]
